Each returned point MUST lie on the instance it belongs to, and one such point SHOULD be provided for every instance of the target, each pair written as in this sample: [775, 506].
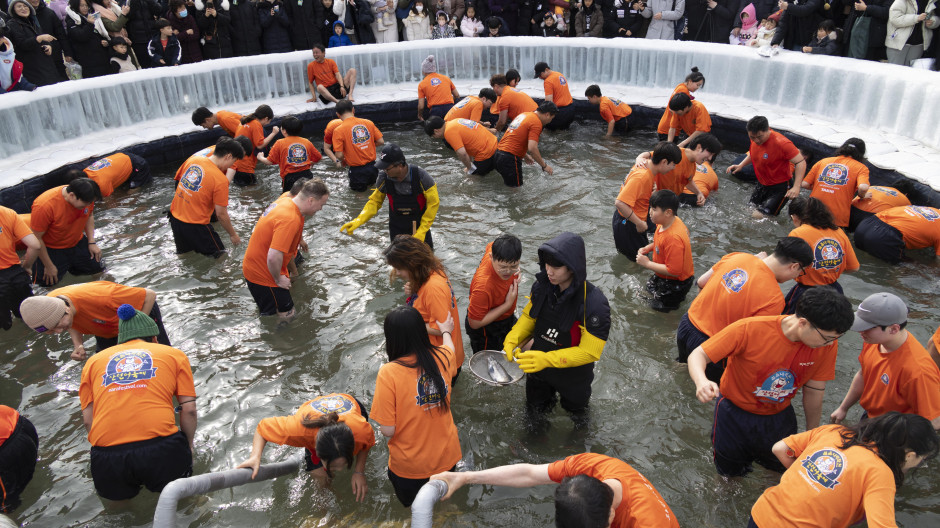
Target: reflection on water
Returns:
[247, 368]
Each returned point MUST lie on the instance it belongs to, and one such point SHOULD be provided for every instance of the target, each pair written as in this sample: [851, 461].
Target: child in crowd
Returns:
[11, 70]
[293, 154]
[121, 59]
[671, 254]
[339, 38]
[164, 49]
[766, 31]
[442, 29]
[470, 25]
[417, 25]
[748, 29]
[826, 41]
[494, 27]
[549, 27]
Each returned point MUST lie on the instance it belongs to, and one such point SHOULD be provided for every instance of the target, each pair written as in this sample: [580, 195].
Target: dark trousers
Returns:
[669, 292]
[770, 199]
[491, 336]
[572, 385]
[797, 291]
[688, 338]
[880, 240]
[740, 438]
[626, 237]
[14, 288]
[562, 119]
[406, 489]
[291, 178]
[856, 216]
[75, 260]
[17, 463]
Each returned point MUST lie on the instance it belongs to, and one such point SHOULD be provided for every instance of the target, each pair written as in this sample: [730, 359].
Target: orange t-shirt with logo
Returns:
[829, 486]
[523, 128]
[435, 300]
[479, 142]
[741, 286]
[96, 305]
[62, 225]
[673, 248]
[323, 73]
[289, 430]
[514, 102]
[919, 226]
[201, 189]
[905, 380]
[204, 153]
[695, 120]
[765, 369]
[614, 109]
[255, 132]
[833, 255]
[705, 179]
[835, 183]
[488, 290]
[229, 121]
[556, 85]
[663, 127]
[12, 230]
[132, 387]
[328, 131]
[436, 89]
[676, 179]
[356, 139]
[771, 160]
[280, 227]
[641, 506]
[636, 191]
[293, 154]
[8, 418]
[111, 172]
[425, 440]
[470, 107]
[882, 198]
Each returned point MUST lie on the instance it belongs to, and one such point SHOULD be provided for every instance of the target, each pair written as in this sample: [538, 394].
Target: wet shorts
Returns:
[363, 176]
[509, 166]
[119, 471]
[14, 288]
[484, 167]
[740, 437]
[271, 300]
[17, 462]
[770, 199]
[626, 237]
[880, 240]
[334, 90]
[200, 238]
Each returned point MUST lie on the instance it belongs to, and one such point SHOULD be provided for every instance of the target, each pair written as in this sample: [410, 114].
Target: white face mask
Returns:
[419, 8]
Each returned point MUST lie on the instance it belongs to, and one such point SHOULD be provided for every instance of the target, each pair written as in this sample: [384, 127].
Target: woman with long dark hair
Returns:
[252, 127]
[89, 39]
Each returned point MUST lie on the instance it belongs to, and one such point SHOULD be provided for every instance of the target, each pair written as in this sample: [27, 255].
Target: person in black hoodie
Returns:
[246, 28]
[215, 26]
[50, 23]
[275, 27]
[304, 28]
[569, 320]
[33, 46]
[140, 26]
[89, 47]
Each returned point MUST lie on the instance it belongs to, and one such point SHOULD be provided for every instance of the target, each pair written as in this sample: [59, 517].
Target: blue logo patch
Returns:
[468, 123]
[834, 174]
[204, 153]
[777, 387]
[886, 190]
[427, 394]
[734, 280]
[100, 164]
[765, 156]
[926, 212]
[297, 154]
[332, 403]
[127, 367]
[516, 122]
[435, 81]
[616, 102]
[824, 467]
[827, 254]
[561, 80]
[885, 379]
[268, 209]
[463, 102]
[192, 178]
[360, 136]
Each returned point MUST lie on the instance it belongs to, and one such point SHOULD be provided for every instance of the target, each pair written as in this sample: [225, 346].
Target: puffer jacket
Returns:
[664, 29]
[902, 18]
[246, 28]
[275, 29]
[216, 30]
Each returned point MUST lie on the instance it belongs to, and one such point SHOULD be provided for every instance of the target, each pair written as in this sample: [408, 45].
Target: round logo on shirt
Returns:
[463, 102]
[887, 190]
[269, 208]
[885, 379]
[734, 280]
[561, 80]
[777, 386]
[435, 81]
[360, 135]
[824, 467]
[127, 367]
[468, 123]
[925, 212]
[834, 174]
[516, 122]
[100, 164]
[766, 156]
[616, 102]
[332, 403]
[427, 394]
[192, 178]
[827, 254]
[297, 154]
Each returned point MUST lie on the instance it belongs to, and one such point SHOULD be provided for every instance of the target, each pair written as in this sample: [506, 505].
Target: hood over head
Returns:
[567, 248]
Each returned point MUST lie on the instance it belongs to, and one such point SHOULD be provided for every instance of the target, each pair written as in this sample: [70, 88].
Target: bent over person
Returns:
[63, 220]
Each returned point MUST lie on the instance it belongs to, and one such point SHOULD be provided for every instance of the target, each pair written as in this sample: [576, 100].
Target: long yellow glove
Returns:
[587, 351]
[432, 204]
[521, 331]
[368, 211]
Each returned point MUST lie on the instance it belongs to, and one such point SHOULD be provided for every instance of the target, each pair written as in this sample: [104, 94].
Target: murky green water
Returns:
[247, 368]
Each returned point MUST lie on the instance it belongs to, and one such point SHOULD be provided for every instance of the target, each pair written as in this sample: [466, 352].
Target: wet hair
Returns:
[432, 124]
[343, 106]
[247, 146]
[292, 126]
[592, 91]
[507, 248]
[262, 112]
[905, 187]
[498, 80]
[758, 124]
[792, 250]
[812, 211]
[512, 75]
[493, 23]
[665, 199]
[547, 107]
[680, 101]
[406, 335]
[488, 93]
[318, 46]
[85, 189]
[200, 115]
[826, 309]
[709, 142]
[298, 185]
[665, 150]
[315, 187]
[72, 174]
[891, 436]
[853, 148]
[695, 76]
[226, 145]
[408, 253]
[583, 502]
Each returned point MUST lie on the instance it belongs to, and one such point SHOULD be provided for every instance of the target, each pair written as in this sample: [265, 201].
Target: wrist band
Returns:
[444, 332]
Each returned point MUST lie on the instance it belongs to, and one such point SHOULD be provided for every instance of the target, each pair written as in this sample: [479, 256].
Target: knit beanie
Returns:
[134, 324]
[429, 65]
[42, 313]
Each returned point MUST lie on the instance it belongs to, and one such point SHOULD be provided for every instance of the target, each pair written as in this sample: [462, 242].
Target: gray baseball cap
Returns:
[879, 309]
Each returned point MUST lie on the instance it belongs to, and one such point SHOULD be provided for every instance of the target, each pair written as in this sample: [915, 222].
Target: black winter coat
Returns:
[87, 49]
[246, 28]
[305, 23]
[877, 11]
[38, 68]
[798, 24]
[275, 29]
[216, 33]
[140, 21]
[50, 23]
[631, 20]
[710, 25]
[326, 24]
[364, 19]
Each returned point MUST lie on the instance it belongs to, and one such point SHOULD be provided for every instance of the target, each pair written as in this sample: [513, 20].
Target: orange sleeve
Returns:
[20, 228]
[220, 196]
[606, 114]
[703, 121]
[284, 430]
[42, 216]
[556, 471]
[85, 393]
[383, 410]
[674, 256]
[725, 342]
[185, 386]
[276, 154]
[549, 87]
[476, 112]
[421, 89]
[535, 128]
[673, 120]
[312, 153]
[452, 136]
[376, 133]
[285, 231]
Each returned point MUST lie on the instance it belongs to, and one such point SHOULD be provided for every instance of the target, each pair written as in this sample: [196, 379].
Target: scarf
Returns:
[77, 18]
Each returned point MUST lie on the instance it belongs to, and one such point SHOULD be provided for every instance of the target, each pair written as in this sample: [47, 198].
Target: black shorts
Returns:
[140, 171]
[17, 463]
[14, 287]
[484, 167]
[562, 119]
[334, 90]
[439, 110]
[291, 178]
[856, 216]
[740, 438]
[244, 179]
[271, 300]
[200, 238]
[688, 338]
[75, 260]
[102, 343]
[797, 291]
[770, 199]
[406, 489]
[119, 471]
[626, 237]
[880, 240]
[491, 336]
[363, 176]
[311, 460]
[509, 167]
[688, 199]
[670, 292]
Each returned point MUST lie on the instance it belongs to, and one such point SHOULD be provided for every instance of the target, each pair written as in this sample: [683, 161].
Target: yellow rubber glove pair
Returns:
[587, 351]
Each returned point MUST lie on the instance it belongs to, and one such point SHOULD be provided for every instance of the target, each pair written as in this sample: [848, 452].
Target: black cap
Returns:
[539, 68]
[391, 154]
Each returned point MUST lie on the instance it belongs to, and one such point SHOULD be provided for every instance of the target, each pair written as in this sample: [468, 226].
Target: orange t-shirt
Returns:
[289, 430]
[280, 227]
[255, 132]
[328, 132]
[636, 191]
[741, 286]
[356, 138]
[881, 198]
[293, 154]
[695, 120]
[323, 73]
[919, 226]
[514, 102]
[12, 230]
[62, 225]
[705, 179]
[479, 142]
[676, 179]
[614, 109]
[523, 128]
[436, 89]
[96, 304]
[832, 255]
[556, 85]
[936, 338]
[835, 182]
[641, 506]
[110, 173]
[470, 107]
[132, 387]
[772, 159]
[425, 440]
[202, 187]
[905, 380]
[8, 418]
[673, 248]
[663, 127]
[488, 290]
[765, 369]
[229, 121]
[204, 153]
[435, 300]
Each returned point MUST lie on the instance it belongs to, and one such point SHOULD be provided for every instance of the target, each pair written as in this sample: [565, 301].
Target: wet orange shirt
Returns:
[467, 108]
[772, 159]
[881, 198]
[705, 179]
[835, 182]
[741, 286]
[828, 486]
[229, 121]
[289, 430]
[663, 127]
[936, 338]
[328, 131]
[280, 227]
[765, 369]
[96, 305]
[111, 172]
[356, 138]
[641, 505]
[614, 109]
[673, 248]
[62, 225]
[435, 300]
[514, 102]
[255, 132]
[556, 85]
[201, 189]
[323, 73]
[636, 191]
[12, 230]
[833, 255]
[204, 153]
[905, 380]
[8, 418]
[479, 142]
[293, 154]
[695, 120]
[920, 226]
[132, 387]
[488, 290]
[676, 179]
[425, 440]
[523, 128]
[436, 89]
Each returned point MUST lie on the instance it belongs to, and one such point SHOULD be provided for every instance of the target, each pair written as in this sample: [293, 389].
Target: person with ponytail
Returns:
[252, 127]
[836, 181]
[837, 476]
[334, 429]
[693, 81]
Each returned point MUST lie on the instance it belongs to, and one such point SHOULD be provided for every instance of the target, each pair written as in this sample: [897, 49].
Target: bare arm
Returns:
[851, 398]
[387, 431]
[150, 298]
[799, 172]
[783, 452]
[627, 212]
[313, 92]
[705, 389]
[33, 246]
[254, 459]
[464, 158]
[188, 418]
[78, 345]
[610, 127]
[813, 392]
[275, 260]
[226, 223]
[537, 156]
[704, 278]
[93, 250]
[88, 416]
[514, 476]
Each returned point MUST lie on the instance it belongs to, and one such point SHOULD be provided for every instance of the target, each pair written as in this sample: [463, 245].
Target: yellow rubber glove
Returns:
[521, 331]
[433, 201]
[588, 351]
[368, 211]
[351, 226]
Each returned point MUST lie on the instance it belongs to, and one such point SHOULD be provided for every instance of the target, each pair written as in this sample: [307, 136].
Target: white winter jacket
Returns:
[902, 17]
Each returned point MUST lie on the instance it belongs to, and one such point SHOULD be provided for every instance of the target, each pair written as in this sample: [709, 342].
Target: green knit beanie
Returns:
[134, 324]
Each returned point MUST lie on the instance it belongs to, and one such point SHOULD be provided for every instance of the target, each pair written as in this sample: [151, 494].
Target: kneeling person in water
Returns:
[474, 144]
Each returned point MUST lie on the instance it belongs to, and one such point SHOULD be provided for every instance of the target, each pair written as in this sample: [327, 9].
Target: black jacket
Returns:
[798, 24]
[39, 68]
[877, 12]
[50, 23]
[305, 16]
[171, 55]
[86, 47]
[246, 28]
[216, 31]
[140, 21]
[326, 24]
[623, 17]
[711, 25]
[275, 29]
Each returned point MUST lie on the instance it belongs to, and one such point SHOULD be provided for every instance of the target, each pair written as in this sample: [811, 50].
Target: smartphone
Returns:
[96, 16]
